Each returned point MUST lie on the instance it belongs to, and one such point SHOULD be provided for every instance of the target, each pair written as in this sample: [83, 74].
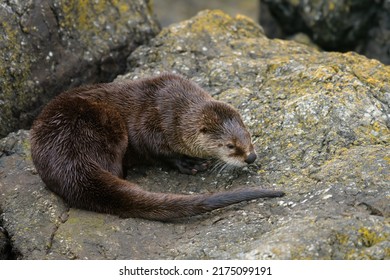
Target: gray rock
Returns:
[333, 24]
[5, 247]
[173, 11]
[346, 25]
[377, 44]
[320, 122]
[48, 46]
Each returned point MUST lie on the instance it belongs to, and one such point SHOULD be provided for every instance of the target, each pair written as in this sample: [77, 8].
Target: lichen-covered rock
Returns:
[320, 123]
[48, 46]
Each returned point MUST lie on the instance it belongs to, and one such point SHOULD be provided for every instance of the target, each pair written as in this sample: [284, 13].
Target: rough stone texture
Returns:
[5, 247]
[173, 11]
[359, 25]
[320, 122]
[47, 46]
[377, 44]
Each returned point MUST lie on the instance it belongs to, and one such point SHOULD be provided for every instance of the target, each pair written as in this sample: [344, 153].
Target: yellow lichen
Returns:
[211, 24]
[331, 6]
[15, 71]
[27, 149]
[370, 237]
[387, 253]
[15, 53]
[341, 238]
[83, 15]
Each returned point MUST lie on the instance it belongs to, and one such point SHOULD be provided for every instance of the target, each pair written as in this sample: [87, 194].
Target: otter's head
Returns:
[223, 135]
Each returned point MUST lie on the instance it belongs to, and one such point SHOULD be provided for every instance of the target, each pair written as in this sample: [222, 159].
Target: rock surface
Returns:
[362, 25]
[5, 247]
[320, 122]
[377, 44]
[173, 11]
[48, 46]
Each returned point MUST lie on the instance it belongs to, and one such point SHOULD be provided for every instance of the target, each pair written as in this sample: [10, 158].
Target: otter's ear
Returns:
[215, 118]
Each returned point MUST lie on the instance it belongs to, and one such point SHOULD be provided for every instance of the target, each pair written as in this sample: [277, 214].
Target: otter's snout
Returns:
[251, 158]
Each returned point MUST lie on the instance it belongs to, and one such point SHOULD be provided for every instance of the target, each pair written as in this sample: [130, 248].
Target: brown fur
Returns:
[85, 138]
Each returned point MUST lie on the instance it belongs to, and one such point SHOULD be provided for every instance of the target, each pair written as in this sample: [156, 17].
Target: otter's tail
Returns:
[128, 200]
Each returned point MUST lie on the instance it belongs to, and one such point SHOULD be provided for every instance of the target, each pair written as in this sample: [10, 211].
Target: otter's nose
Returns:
[251, 158]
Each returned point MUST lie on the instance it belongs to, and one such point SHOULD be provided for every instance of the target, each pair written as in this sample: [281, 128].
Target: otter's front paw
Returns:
[191, 165]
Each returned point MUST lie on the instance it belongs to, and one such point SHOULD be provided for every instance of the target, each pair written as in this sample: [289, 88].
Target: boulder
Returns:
[320, 123]
[377, 44]
[346, 25]
[5, 248]
[48, 46]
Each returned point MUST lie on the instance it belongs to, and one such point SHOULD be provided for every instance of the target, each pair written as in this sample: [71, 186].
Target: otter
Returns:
[86, 138]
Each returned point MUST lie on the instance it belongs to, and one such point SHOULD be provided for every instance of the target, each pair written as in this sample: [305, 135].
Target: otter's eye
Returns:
[230, 146]
[203, 130]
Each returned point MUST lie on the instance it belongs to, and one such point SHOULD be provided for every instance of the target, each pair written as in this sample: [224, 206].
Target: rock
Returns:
[377, 44]
[4, 245]
[49, 46]
[173, 11]
[334, 25]
[346, 25]
[320, 123]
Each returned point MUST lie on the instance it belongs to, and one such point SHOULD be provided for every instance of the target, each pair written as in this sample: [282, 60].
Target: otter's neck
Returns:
[191, 123]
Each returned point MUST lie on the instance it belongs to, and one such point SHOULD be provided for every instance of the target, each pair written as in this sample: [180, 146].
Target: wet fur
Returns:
[85, 138]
